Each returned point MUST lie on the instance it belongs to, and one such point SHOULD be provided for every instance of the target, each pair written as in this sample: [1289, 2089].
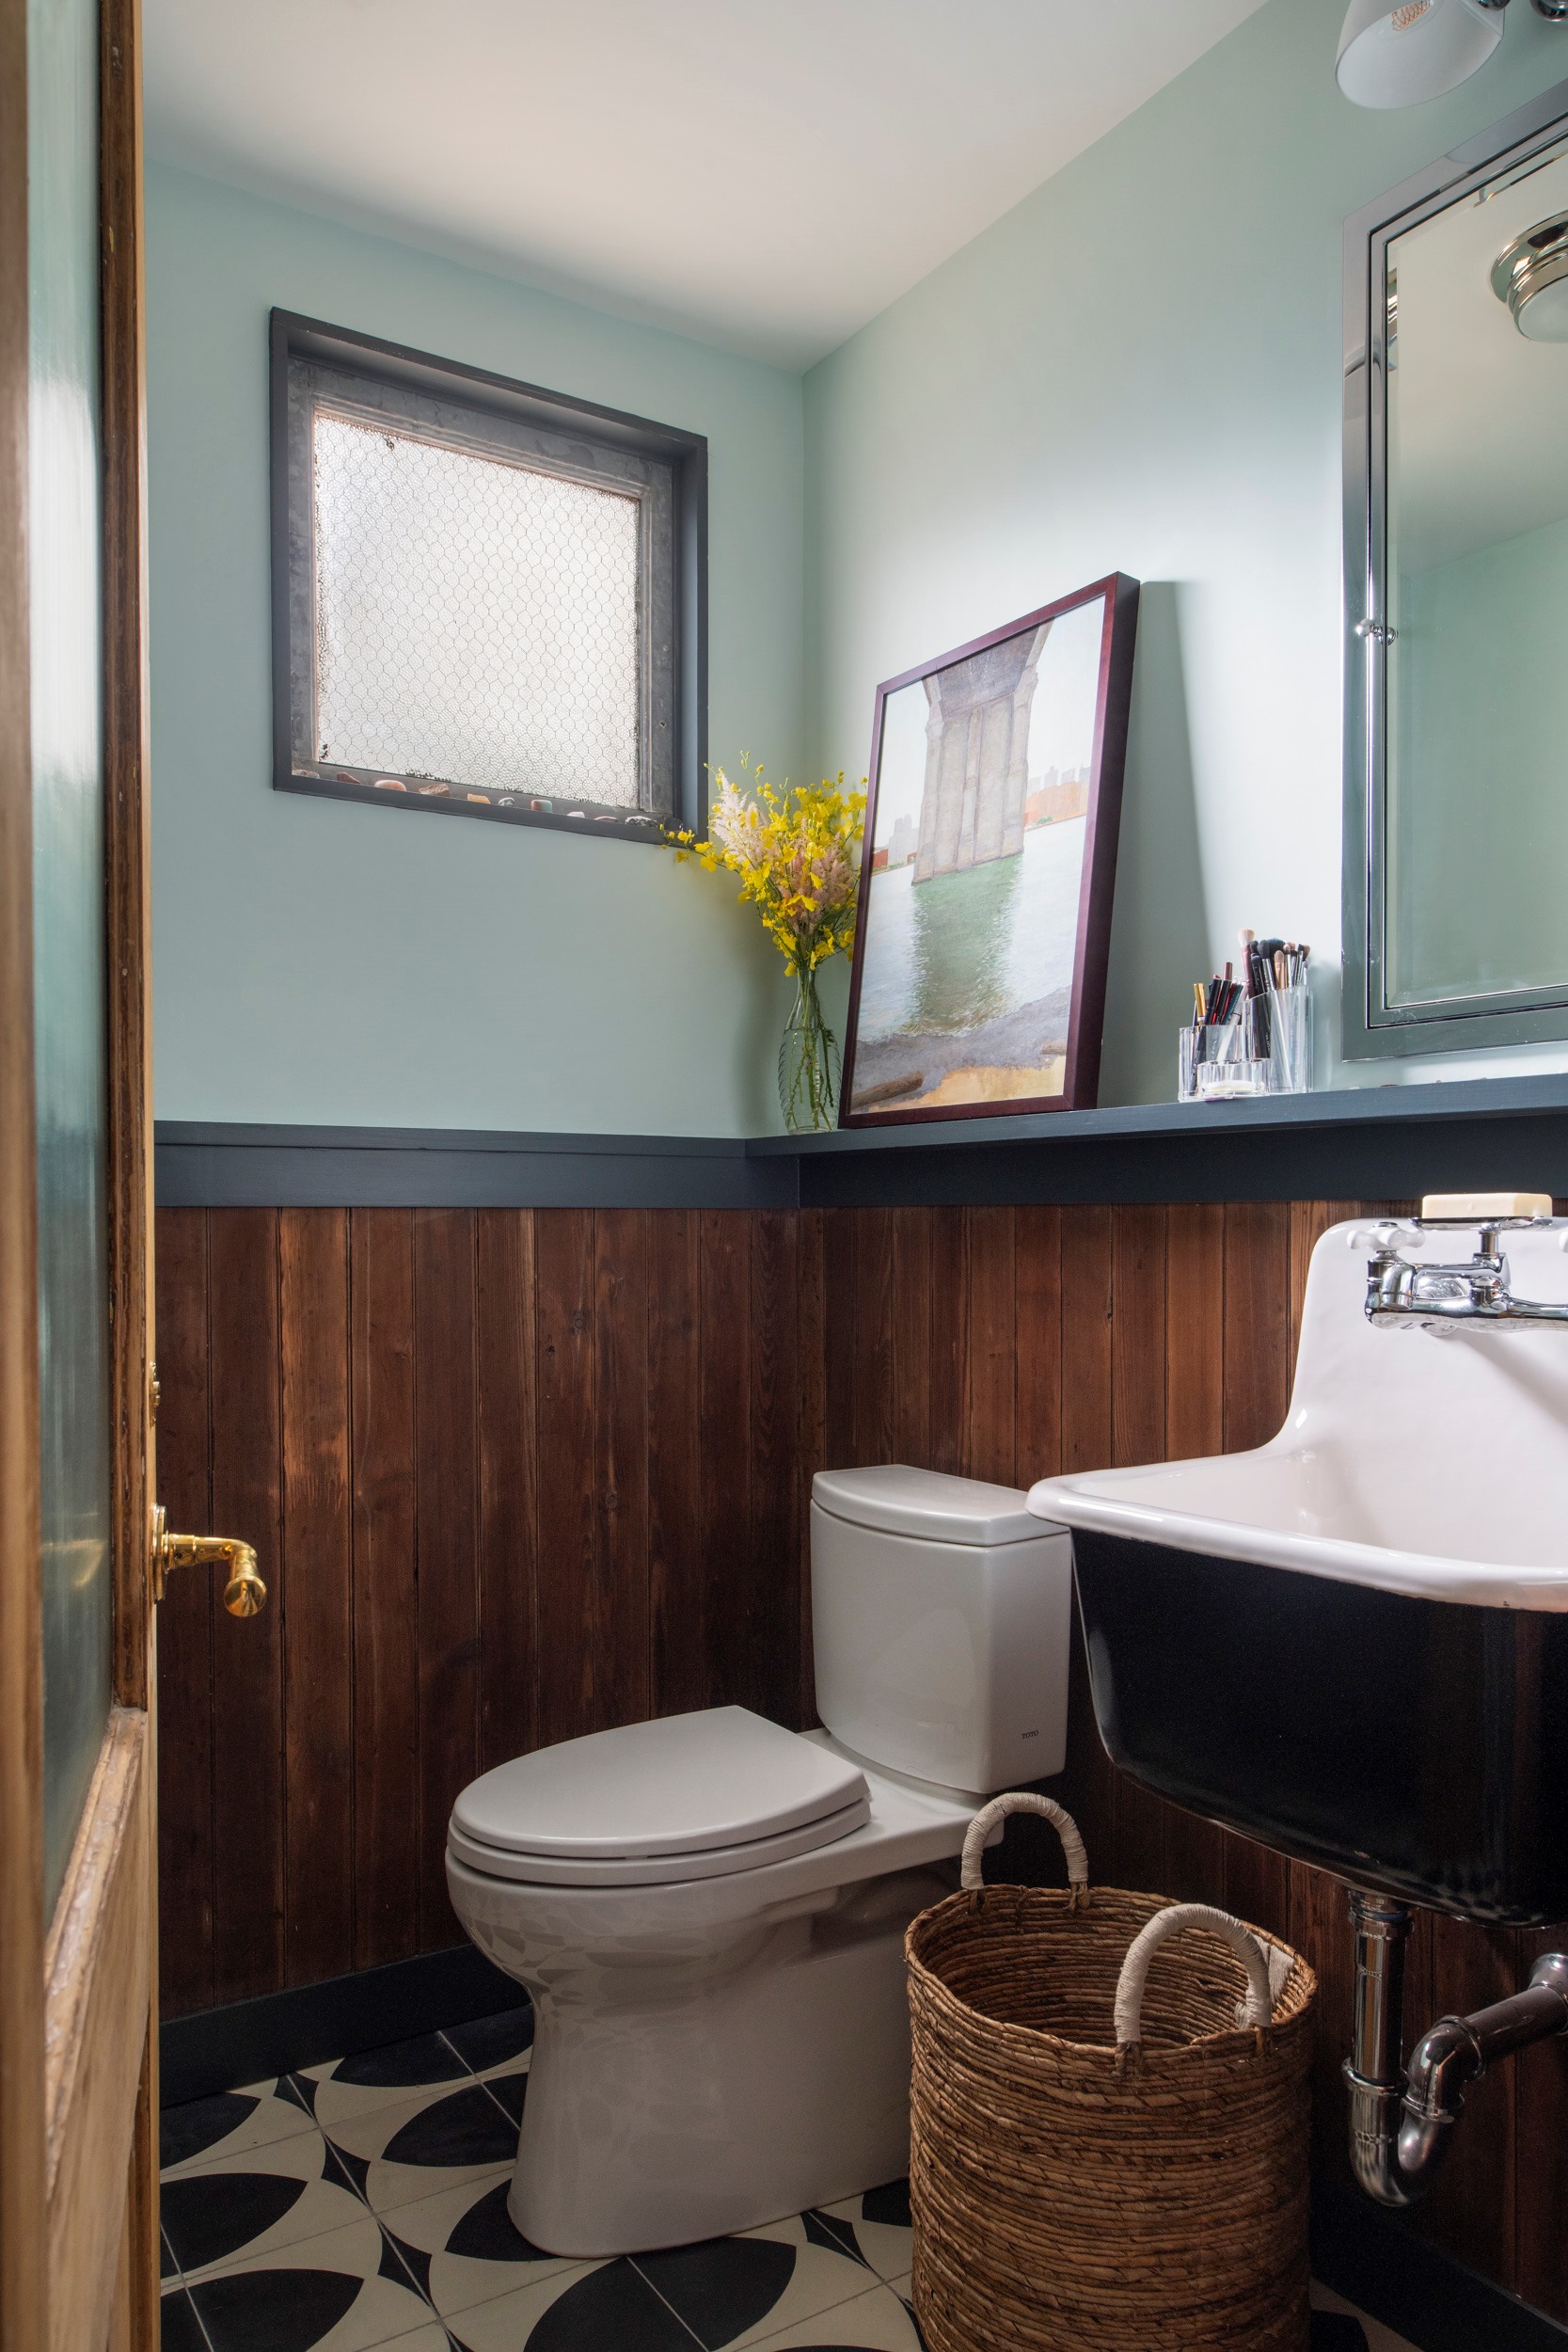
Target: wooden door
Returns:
[78, 1961]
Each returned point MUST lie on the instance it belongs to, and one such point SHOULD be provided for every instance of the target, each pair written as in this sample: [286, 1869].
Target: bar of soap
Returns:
[1477, 1207]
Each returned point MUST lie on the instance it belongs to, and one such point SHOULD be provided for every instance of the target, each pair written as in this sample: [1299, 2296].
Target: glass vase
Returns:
[808, 1062]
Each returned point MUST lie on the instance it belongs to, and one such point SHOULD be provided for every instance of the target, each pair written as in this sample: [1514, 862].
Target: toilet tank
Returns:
[940, 1619]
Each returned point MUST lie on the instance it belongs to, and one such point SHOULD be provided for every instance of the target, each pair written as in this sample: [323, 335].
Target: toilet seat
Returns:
[685, 1796]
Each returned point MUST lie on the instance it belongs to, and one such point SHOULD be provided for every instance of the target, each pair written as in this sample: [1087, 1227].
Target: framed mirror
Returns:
[1456, 600]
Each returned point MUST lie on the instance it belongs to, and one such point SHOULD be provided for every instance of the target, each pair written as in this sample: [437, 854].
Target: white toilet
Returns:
[708, 1912]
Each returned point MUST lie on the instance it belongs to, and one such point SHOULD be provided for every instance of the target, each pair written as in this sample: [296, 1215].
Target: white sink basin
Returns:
[1352, 1642]
[1430, 1464]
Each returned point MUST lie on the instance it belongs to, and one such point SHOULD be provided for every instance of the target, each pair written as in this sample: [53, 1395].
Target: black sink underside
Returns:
[1417, 1747]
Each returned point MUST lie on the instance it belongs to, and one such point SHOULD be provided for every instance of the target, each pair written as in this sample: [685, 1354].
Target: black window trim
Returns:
[297, 337]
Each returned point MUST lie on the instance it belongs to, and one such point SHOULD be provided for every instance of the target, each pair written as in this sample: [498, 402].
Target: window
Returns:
[488, 601]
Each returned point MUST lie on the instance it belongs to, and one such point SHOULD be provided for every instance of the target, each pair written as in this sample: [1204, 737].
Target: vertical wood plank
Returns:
[724, 1246]
[769, 1677]
[508, 1489]
[1309, 1221]
[1086, 1305]
[1194, 1425]
[622, 1692]
[949, 1324]
[811, 1346]
[1138, 1435]
[1540, 2123]
[911, 1427]
[1472, 2205]
[1138, 1336]
[568, 1523]
[446, 1455]
[1194, 1331]
[1256, 1313]
[838, 1323]
[875, 1367]
[185, 1889]
[677, 1595]
[991, 1350]
[385, 1587]
[1321, 1931]
[1038, 1323]
[315, 1596]
[247, 1652]
[1087, 1310]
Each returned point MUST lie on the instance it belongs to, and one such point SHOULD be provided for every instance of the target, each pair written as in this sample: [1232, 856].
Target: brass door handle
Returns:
[243, 1595]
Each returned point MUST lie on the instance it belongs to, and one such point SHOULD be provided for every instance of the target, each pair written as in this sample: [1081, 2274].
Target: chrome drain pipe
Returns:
[1402, 2121]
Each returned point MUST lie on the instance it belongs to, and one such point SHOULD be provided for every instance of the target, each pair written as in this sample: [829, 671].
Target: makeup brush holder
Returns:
[1289, 1046]
[1213, 1064]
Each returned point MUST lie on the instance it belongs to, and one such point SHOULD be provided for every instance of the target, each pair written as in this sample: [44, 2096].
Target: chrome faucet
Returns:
[1407, 1295]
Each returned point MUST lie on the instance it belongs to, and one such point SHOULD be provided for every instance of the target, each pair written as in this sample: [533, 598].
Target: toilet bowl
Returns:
[709, 1911]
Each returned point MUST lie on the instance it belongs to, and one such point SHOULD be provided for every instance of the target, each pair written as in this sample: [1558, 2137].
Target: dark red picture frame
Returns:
[1081, 1076]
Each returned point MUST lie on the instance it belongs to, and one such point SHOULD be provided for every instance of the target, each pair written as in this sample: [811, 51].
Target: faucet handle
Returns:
[1488, 1209]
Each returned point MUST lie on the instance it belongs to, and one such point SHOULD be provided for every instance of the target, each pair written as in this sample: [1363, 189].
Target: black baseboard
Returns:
[1375, 2260]
[248, 2041]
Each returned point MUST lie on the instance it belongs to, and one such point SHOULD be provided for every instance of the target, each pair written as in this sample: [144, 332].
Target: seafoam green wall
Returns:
[1480, 844]
[1140, 368]
[323, 963]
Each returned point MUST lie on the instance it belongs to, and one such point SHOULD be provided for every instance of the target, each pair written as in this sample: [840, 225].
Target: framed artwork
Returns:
[988, 868]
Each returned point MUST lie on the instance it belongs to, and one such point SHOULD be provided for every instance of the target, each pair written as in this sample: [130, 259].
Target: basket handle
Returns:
[1259, 2007]
[1022, 1801]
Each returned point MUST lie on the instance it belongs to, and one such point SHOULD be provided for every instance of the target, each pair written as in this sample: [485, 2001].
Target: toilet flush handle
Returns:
[1023, 1801]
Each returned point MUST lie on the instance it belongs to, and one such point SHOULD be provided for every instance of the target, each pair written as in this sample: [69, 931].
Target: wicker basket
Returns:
[1095, 2163]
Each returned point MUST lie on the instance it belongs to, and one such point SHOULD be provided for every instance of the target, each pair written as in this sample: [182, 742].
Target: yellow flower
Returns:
[796, 854]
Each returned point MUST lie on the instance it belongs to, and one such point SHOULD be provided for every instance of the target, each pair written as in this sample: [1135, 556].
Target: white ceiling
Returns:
[768, 174]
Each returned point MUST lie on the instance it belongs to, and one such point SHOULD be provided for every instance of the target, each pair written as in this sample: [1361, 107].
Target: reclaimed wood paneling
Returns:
[445, 1461]
[677, 1623]
[528, 1472]
[247, 1652]
[314, 1593]
[185, 1890]
[508, 1488]
[386, 1584]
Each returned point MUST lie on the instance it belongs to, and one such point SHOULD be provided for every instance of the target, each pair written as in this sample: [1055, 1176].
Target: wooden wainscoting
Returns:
[510, 1475]
[517, 1474]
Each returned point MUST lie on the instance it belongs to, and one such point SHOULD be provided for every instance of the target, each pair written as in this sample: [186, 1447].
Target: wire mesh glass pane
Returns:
[476, 621]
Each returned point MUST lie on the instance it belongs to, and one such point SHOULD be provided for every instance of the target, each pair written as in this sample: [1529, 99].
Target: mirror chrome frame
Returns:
[1370, 1024]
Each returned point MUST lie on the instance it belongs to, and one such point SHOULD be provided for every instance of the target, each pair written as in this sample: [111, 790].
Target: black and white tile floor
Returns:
[363, 2204]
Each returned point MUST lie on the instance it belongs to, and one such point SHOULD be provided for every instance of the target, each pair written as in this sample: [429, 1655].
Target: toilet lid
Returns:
[685, 1786]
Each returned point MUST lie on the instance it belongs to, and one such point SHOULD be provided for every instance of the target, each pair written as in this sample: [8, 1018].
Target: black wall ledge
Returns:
[1370, 1143]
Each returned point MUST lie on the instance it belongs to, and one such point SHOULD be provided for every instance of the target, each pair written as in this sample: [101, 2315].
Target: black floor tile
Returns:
[488, 2232]
[428, 2058]
[722, 2287]
[510, 2091]
[491, 2040]
[1334, 2331]
[166, 2264]
[200, 2123]
[826, 2228]
[273, 2311]
[210, 2216]
[889, 2205]
[467, 2128]
[181, 2329]
[611, 2310]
